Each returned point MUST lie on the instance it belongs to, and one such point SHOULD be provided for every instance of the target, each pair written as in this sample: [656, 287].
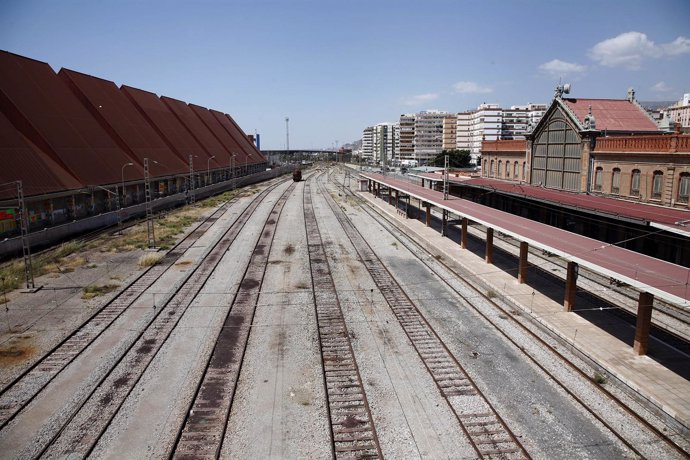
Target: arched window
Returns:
[500, 165]
[616, 181]
[507, 169]
[657, 182]
[683, 187]
[635, 182]
[598, 178]
[524, 170]
[515, 170]
[491, 174]
[485, 172]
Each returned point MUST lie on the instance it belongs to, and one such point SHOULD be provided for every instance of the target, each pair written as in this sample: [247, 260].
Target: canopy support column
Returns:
[522, 267]
[489, 257]
[644, 323]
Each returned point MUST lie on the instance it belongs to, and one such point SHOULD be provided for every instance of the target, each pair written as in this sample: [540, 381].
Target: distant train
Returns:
[297, 175]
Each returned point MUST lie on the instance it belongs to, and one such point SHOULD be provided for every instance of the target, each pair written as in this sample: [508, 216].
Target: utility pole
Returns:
[192, 198]
[149, 210]
[26, 246]
[445, 178]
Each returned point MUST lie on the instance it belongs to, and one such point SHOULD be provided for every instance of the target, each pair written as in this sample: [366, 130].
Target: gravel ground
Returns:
[151, 415]
[582, 387]
[411, 417]
[280, 410]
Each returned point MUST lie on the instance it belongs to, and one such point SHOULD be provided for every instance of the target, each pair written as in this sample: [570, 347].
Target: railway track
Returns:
[352, 427]
[78, 427]
[18, 393]
[204, 428]
[648, 436]
[666, 319]
[485, 429]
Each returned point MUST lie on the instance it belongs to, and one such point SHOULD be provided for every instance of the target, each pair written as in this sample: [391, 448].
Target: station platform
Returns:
[664, 388]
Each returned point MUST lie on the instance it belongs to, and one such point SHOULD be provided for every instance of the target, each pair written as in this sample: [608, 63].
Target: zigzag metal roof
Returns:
[124, 123]
[51, 117]
[66, 131]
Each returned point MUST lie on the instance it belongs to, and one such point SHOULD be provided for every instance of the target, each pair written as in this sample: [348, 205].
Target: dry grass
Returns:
[89, 292]
[289, 249]
[150, 259]
[71, 255]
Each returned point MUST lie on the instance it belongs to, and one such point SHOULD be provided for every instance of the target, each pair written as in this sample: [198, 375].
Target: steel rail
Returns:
[83, 427]
[352, 426]
[23, 388]
[485, 429]
[203, 430]
[529, 330]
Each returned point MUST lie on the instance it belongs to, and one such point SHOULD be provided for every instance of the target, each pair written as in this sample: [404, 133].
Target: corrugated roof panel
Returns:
[212, 147]
[51, 109]
[230, 143]
[21, 160]
[613, 114]
[236, 132]
[612, 206]
[116, 113]
[165, 123]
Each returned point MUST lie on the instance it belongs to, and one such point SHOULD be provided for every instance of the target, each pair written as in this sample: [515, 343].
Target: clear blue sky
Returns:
[335, 67]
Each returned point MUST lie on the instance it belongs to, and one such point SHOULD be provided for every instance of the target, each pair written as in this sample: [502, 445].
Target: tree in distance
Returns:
[456, 158]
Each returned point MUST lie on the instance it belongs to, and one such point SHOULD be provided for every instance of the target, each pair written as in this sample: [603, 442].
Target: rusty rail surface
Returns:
[81, 431]
[15, 396]
[352, 427]
[550, 345]
[487, 432]
[204, 428]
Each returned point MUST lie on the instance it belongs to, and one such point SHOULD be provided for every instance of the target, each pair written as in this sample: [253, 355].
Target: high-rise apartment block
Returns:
[421, 136]
[424, 135]
[407, 137]
[381, 143]
[368, 144]
[491, 122]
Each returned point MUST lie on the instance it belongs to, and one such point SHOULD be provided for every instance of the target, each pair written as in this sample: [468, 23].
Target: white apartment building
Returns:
[406, 151]
[386, 143]
[487, 122]
[368, 144]
[491, 122]
[421, 136]
[518, 118]
[680, 112]
[380, 143]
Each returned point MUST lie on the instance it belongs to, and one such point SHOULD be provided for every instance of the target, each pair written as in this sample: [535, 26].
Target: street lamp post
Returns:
[149, 207]
[232, 170]
[124, 195]
[208, 169]
[246, 167]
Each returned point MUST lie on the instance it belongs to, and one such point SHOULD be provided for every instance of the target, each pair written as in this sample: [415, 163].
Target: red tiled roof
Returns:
[212, 147]
[612, 114]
